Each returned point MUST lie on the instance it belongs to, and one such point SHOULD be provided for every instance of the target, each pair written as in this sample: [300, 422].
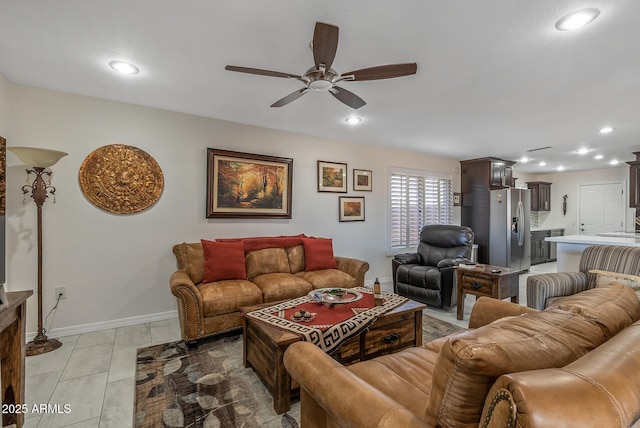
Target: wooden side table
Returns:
[480, 281]
[12, 353]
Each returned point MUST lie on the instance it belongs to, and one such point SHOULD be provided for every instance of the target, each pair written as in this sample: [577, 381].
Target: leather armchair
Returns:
[428, 275]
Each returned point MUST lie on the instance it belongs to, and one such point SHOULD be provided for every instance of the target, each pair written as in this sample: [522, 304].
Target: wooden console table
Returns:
[12, 355]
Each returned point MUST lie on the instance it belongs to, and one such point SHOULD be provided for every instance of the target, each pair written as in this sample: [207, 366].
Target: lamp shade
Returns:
[37, 158]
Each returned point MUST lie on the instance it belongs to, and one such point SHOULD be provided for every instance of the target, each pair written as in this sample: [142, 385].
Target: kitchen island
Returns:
[570, 247]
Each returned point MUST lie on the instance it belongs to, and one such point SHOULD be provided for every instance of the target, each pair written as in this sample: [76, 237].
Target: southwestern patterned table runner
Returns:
[332, 324]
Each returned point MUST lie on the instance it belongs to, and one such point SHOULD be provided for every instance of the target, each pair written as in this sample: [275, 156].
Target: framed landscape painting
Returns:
[351, 208]
[332, 177]
[241, 185]
[362, 180]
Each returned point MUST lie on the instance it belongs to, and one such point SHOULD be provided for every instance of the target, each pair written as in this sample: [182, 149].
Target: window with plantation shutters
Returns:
[417, 198]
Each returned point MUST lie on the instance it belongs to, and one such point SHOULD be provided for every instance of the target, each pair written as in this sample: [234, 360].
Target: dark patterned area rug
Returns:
[209, 387]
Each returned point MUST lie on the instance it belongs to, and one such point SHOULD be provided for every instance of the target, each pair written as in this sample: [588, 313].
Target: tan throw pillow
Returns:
[604, 278]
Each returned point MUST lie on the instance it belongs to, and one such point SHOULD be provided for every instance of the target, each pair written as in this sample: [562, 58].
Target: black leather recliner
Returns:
[428, 275]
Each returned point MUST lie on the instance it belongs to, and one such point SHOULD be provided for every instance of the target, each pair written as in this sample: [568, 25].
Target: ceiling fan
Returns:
[321, 77]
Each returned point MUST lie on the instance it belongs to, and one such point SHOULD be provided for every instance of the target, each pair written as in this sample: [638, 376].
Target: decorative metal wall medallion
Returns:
[121, 179]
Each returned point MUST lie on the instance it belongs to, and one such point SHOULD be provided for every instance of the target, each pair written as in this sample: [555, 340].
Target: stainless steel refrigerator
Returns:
[509, 237]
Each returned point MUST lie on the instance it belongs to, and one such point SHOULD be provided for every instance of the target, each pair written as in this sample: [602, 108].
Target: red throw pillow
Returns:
[223, 260]
[318, 254]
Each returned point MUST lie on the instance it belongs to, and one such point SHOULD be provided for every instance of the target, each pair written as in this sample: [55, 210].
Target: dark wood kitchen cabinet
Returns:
[634, 182]
[541, 250]
[540, 195]
[478, 177]
[539, 247]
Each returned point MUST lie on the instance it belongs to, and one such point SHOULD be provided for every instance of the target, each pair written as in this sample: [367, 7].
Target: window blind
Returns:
[417, 198]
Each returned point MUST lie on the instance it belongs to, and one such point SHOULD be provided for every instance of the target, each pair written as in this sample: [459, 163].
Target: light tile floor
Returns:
[93, 373]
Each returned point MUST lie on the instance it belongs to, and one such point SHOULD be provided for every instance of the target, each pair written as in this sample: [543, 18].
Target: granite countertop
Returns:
[614, 238]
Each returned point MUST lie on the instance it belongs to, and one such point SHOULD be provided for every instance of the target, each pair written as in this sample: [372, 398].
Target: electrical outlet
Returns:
[61, 291]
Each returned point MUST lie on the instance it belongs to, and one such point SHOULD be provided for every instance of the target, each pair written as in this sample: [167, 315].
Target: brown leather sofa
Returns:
[515, 366]
[273, 274]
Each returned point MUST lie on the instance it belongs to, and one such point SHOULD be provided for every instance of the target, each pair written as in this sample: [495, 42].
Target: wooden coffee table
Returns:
[264, 346]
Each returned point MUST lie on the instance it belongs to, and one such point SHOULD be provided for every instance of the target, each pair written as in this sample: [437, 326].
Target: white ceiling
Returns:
[495, 78]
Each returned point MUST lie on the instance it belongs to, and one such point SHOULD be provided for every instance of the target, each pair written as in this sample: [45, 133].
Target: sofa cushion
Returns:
[328, 278]
[614, 305]
[227, 296]
[281, 286]
[296, 258]
[318, 254]
[404, 376]
[604, 278]
[471, 361]
[420, 276]
[223, 260]
[190, 257]
[262, 242]
[269, 260]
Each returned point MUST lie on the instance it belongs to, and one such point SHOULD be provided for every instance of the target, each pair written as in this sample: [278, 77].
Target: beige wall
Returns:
[116, 268]
[4, 107]
[568, 183]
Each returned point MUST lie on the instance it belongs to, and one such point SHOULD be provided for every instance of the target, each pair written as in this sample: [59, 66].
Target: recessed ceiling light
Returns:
[605, 130]
[598, 157]
[560, 168]
[583, 151]
[543, 163]
[524, 159]
[353, 120]
[614, 162]
[124, 67]
[577, 19]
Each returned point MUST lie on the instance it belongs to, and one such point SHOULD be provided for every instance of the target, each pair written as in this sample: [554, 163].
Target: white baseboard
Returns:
[104, 325]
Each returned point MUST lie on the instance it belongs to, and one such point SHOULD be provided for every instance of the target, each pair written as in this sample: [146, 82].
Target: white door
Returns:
[601, 208]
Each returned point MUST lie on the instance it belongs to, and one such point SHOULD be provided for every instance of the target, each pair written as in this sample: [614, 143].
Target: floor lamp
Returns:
[39, 160]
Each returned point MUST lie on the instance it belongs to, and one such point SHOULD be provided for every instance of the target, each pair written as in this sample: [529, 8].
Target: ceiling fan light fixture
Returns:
[124, 67]
[353, 120]
[577, 19]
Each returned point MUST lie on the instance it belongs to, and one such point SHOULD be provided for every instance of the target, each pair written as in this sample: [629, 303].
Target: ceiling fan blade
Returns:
[347, 97]
[325, 44]
[261, 72]
[384, 71]
[291, 97]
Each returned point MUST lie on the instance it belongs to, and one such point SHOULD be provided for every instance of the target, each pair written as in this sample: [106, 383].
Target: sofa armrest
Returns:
[486, 310]
[319, 375]
[407, 258]
[190, 306]
[354, 267]
[445, 263]
[542, 287]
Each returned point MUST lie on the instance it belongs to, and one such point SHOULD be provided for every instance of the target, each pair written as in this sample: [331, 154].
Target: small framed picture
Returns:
[362, 180]
[351, 208]
[457, 199]
[4, 303]
[332, 177]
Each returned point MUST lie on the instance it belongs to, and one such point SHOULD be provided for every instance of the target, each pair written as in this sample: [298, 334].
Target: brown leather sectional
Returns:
[515, 366]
